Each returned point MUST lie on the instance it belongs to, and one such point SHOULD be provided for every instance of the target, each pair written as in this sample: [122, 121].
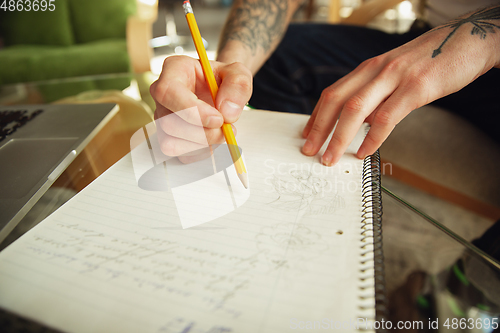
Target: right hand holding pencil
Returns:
[181, 86]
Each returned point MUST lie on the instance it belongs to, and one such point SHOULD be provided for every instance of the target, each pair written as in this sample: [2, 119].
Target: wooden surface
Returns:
[438, 190]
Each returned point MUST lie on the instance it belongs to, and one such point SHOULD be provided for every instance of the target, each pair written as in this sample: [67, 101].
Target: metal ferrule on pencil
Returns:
[187, 7]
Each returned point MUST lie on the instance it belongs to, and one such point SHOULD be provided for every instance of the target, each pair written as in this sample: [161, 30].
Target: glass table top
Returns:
[134, 85]
[436, 279]
[129, 91]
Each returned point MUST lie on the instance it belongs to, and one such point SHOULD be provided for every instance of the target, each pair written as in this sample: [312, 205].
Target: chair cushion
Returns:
[97, 19]
[38, 27]
[27, 63]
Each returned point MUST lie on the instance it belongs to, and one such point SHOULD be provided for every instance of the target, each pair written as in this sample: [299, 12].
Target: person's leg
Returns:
[313, 56]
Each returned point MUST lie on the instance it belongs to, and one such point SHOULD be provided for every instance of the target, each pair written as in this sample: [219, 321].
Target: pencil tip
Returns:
[244, 179]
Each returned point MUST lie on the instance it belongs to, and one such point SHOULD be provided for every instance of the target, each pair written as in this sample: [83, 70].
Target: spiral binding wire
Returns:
[372, 281]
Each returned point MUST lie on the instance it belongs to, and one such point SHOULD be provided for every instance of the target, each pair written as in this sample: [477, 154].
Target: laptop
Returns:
[37, 143]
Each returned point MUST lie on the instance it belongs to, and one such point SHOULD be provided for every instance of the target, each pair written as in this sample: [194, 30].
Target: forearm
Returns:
[475, 30]
[253, 30]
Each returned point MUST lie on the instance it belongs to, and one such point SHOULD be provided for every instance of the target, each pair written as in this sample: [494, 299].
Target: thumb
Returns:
[234, 91]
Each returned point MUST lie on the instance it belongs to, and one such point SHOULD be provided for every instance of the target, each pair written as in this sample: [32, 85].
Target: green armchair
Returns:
[78, 38]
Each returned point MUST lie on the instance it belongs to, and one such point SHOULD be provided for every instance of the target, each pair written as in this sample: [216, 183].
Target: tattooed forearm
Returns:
[481, 25]
[256, 23]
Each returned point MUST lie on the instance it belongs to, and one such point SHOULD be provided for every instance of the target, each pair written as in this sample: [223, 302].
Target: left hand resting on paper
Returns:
[384, 89]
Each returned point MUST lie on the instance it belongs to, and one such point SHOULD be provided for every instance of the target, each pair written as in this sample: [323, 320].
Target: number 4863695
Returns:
[28, 5]
[470, 323]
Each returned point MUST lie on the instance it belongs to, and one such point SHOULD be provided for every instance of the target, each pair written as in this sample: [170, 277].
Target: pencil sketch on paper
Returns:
[303, 192]
[182, 325]
[290, 247]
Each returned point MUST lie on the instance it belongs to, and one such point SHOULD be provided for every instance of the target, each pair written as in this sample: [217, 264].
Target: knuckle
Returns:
[214, 136]
[241, 82]
[383, 118]
[240, 68]
[160, 90]
[188, 116]
[418, 81]
[394, 66]
[170, 147]
[421, 85]
[374, 63]
[167, 61]
[171, 60]
[167, 125]
[152, 89]
[366, 62]
[354, 105]
[330, 94]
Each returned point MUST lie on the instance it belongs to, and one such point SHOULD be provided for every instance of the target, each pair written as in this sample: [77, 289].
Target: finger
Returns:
[172, 146]
[189, 107]
[175, 88]
[390, 113]
[355, 110]
[175, 126]
[353, 75]
[234, 91]
[370, 117]
[312, 118]
[196, 156]
[321, 126]
[332, 100]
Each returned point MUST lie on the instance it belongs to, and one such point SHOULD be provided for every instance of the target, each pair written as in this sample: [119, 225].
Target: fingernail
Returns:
[231, 111]
[361, 153]
[307, 148]
[214, 122]
[327, 158]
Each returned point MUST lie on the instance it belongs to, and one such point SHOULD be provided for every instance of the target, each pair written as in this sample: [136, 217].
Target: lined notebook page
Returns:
[115, 258]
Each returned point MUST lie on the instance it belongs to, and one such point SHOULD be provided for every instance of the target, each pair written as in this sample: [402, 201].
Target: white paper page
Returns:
[115, 258]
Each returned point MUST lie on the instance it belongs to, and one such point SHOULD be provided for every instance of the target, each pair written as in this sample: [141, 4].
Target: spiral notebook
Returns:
[300, 250]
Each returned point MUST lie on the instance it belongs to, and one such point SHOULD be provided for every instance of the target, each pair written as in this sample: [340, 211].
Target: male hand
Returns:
[384, 89]
[182, 86]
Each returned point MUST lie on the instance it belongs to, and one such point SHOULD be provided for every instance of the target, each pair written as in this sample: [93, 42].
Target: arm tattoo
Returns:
[480, 25]
[256, 23]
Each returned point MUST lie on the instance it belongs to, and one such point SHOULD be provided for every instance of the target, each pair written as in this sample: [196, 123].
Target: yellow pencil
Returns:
[212, 84]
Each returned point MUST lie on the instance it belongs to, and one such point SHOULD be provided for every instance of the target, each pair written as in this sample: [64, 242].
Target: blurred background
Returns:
[386, 15]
